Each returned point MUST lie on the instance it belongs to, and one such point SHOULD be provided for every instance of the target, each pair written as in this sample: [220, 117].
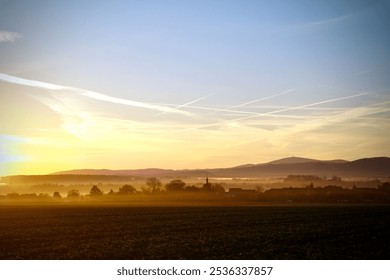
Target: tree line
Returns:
[309, 193]
[152, 186]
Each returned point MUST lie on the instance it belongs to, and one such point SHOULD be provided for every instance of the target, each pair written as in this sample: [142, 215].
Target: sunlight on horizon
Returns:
[178, 86]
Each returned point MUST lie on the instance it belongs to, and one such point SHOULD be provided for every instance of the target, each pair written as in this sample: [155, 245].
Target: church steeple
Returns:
[207, 186]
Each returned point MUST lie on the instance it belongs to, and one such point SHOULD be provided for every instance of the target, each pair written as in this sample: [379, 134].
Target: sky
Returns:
[191, 84]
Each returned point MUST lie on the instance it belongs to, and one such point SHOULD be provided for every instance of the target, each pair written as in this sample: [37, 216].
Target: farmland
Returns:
[246, 232]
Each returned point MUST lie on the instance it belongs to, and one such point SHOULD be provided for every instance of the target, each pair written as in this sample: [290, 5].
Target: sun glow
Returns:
[188, 88]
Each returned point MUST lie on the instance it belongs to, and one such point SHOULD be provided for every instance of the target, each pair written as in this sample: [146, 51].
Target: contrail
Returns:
[283, 110]
[262, 99]
[226, 110]
[88, 93]
[31, 83]
[247, 112]
[364, 72]
[183, 105]
[305, 106]
[210, 109]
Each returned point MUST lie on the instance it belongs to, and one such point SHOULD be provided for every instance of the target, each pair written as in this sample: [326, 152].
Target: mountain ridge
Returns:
[292, 160]
[365, 167]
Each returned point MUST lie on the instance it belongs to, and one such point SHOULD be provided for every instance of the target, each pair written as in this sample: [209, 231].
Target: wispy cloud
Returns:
[7, 36]
[91, 94]
[329, 130]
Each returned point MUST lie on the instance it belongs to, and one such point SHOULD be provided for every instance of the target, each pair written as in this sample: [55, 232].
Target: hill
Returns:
[367, 167]
[291, 160]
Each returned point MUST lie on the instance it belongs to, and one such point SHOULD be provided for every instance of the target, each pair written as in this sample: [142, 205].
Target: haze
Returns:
[191, 84]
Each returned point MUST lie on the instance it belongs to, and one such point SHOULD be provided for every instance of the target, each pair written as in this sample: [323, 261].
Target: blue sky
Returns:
[189, 84]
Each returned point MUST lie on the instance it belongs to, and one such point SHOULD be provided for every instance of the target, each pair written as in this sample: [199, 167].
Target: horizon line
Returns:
[191, 169]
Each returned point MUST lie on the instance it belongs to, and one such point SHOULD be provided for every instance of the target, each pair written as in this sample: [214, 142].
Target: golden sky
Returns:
[176, 85]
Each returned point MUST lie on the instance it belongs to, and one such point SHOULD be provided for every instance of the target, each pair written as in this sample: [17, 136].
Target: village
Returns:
[177, 191]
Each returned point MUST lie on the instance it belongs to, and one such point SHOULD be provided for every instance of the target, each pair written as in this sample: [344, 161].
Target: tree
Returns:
[336, 179]
[192, 189]
[153, 184]
[73, 194]
[218, 188]
[56, 195]
[95, 191]
[127, 189]
[13, 195]
[175, 186]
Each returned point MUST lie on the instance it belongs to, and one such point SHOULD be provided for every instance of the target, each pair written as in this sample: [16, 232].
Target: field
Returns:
[270, 232]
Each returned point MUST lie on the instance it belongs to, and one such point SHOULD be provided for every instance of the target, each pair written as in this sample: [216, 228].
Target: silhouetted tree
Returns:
[13, 195]
[217, 188]
[153, 184]
[127, 189]
[56, 195]
[95, 191]
[28, 195]
[73, 194]
[175, 186]
[336, 179]
[192, 189]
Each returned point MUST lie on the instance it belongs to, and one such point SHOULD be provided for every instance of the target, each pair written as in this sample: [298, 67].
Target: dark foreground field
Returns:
[315, 232]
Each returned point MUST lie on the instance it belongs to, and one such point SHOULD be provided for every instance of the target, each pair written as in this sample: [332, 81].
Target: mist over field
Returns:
[73, 216]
